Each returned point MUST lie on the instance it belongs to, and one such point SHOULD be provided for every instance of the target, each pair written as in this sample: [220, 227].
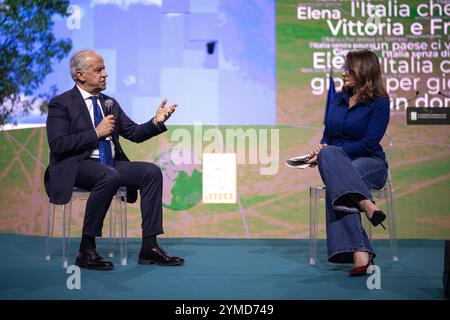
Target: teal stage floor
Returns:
[266, 269]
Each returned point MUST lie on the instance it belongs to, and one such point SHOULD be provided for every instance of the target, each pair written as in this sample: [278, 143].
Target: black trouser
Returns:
[103, 181]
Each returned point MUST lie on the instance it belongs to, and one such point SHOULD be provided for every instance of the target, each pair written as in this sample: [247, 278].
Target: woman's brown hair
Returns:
[364, 67]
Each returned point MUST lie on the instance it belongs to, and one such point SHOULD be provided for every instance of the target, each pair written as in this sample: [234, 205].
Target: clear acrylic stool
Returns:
[117, 211]
[319, 193]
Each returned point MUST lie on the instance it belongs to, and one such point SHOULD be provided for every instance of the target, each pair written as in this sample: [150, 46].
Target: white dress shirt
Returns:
[90, 106]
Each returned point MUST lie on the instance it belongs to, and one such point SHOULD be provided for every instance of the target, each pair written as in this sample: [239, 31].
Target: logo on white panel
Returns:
[219, 178]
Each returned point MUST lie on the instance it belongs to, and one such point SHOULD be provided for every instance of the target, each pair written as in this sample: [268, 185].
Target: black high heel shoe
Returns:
[377, 218]
[362, 271]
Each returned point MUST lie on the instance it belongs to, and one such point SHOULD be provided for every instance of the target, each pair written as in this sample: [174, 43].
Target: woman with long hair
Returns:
[351, 160]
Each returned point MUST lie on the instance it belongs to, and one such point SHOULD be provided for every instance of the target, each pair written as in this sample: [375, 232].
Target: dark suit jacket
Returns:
[72, 138]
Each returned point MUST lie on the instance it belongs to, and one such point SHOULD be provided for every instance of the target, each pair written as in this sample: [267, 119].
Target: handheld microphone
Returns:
[417, 93]
[108, 105]
[412, 98]
[444, 95]
[408, 100]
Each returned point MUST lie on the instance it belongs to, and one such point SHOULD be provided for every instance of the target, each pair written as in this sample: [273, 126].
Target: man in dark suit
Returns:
[83, 128]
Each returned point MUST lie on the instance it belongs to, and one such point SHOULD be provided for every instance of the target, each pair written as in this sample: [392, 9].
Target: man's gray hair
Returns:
[78, 62]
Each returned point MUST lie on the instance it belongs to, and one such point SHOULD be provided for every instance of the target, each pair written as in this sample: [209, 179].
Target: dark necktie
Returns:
[104, 146]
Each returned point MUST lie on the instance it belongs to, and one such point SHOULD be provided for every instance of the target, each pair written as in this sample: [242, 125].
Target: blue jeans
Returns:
[348, 182]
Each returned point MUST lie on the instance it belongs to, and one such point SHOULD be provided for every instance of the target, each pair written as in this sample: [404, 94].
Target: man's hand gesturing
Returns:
[162, 113]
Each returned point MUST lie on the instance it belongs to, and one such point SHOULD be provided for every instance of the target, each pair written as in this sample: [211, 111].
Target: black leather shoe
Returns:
[159, 256]
[90, 259]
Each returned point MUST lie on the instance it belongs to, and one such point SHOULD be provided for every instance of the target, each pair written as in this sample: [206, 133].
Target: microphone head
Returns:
[108, 104]
[443, 94]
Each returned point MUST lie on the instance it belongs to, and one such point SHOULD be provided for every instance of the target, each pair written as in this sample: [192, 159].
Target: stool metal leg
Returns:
[313, 225]
[50, 225]
[112, 227]
[391, 221]
[123, 228]
[67, 213]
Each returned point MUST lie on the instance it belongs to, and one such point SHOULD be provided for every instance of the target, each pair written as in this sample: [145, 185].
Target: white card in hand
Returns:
[299, 162]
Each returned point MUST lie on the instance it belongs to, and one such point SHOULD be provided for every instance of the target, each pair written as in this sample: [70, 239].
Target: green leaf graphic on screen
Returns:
[186, 191]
